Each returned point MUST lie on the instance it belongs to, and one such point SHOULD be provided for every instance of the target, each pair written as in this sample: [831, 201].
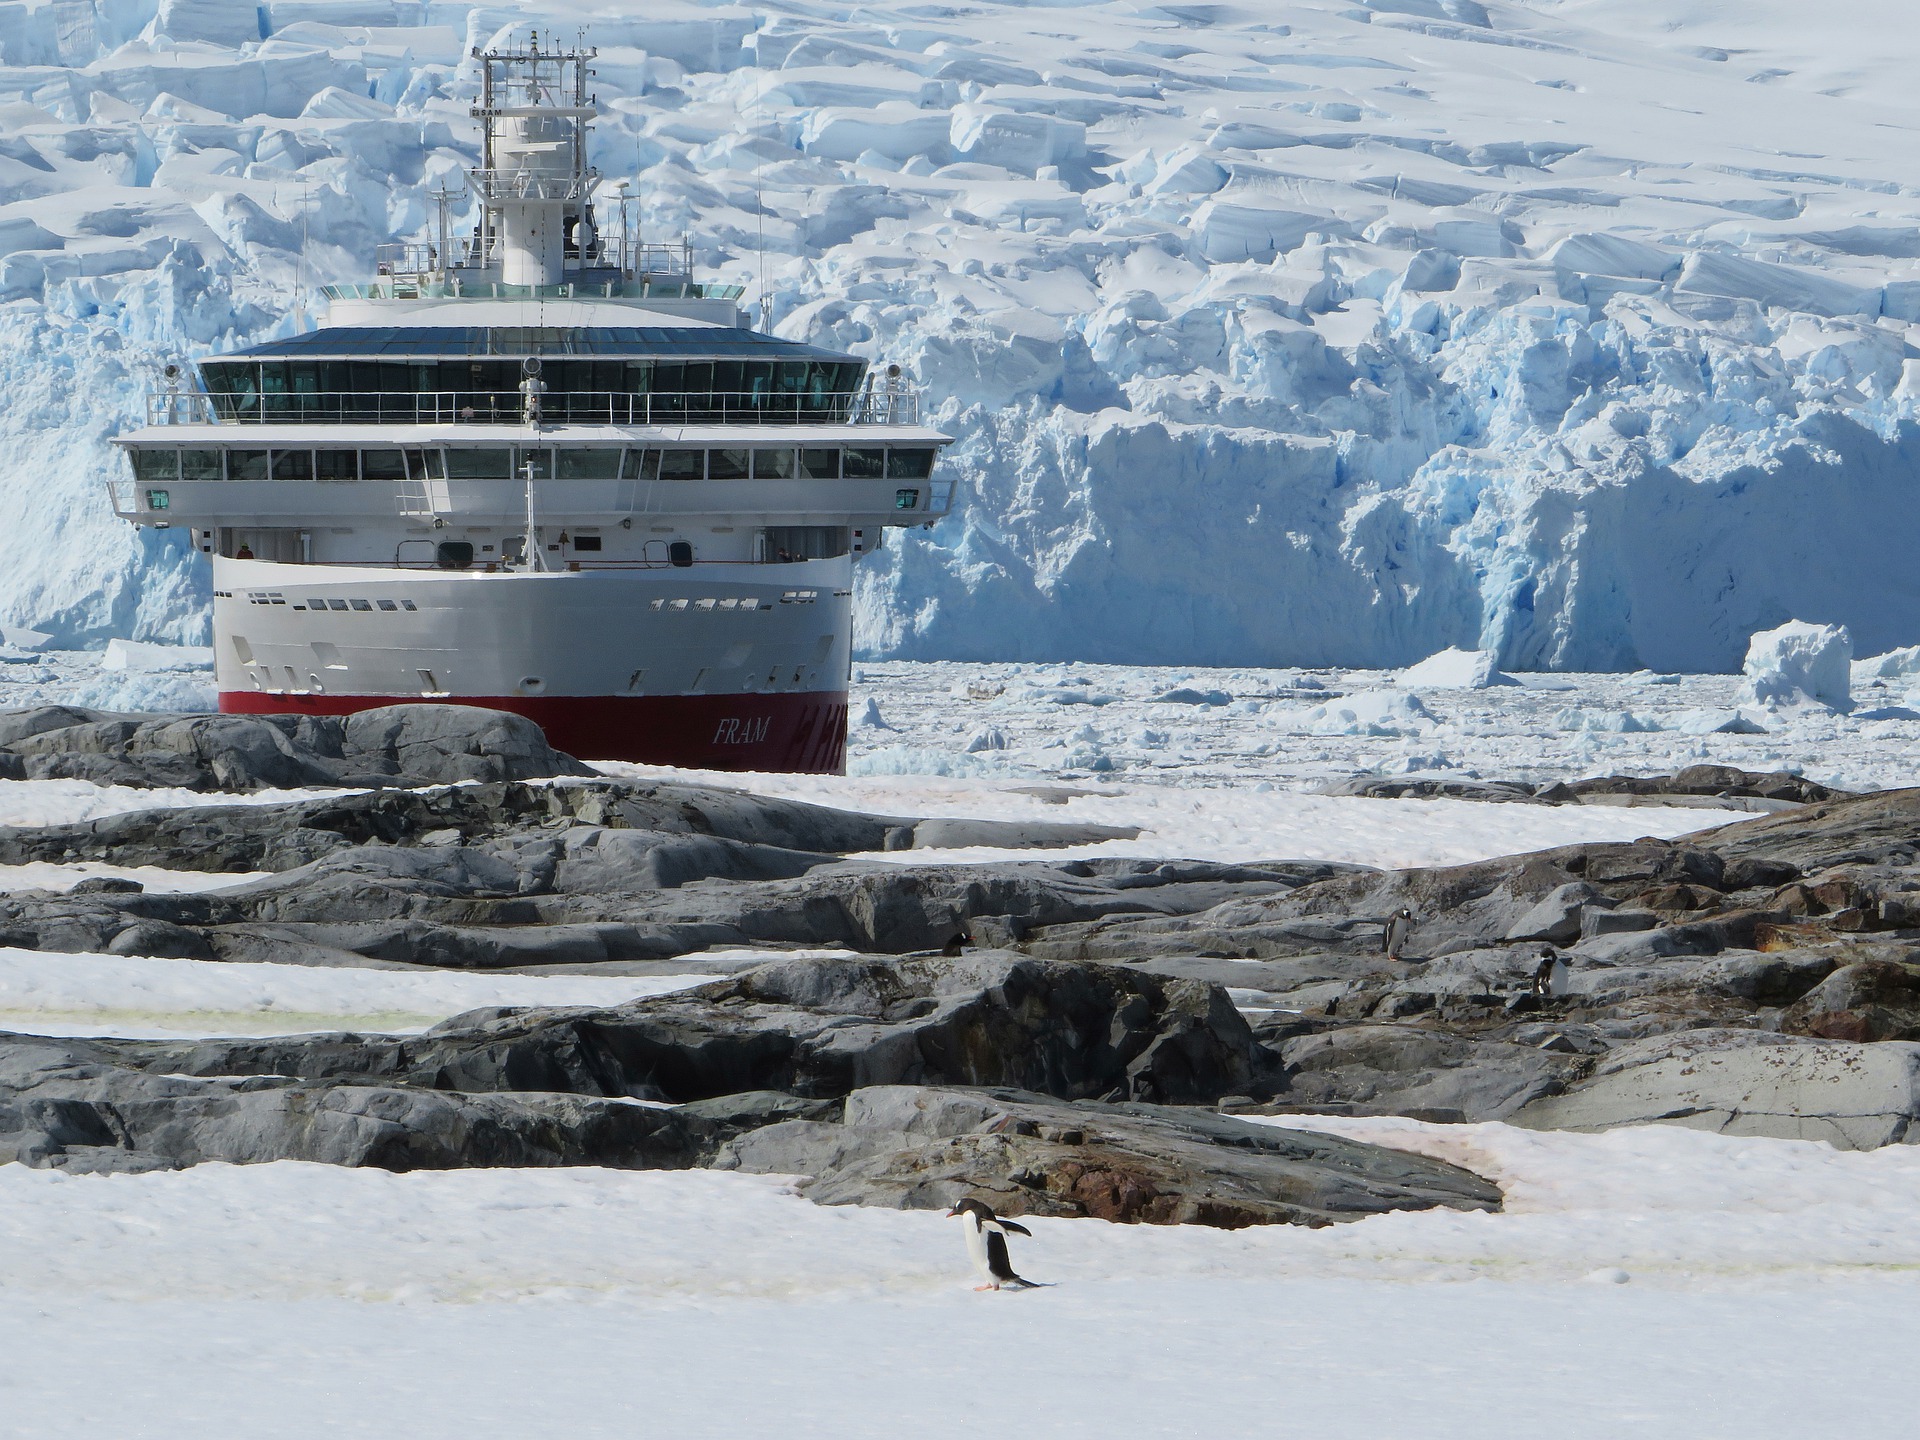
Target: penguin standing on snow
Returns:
[1394, 939]
[987, 1244]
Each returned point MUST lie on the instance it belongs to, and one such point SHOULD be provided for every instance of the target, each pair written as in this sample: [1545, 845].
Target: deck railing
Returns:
[896, 405]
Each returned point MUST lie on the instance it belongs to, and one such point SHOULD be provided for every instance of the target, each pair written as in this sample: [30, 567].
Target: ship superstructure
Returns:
[542, 469]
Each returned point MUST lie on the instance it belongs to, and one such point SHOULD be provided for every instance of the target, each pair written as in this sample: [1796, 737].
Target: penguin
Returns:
[956, 944]
[987, 1244]
[1394, 939]
[1550, 976]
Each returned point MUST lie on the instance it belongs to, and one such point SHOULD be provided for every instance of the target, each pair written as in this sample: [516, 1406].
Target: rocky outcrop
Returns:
[65, 1104]
[808, 1027]
[915, 1148]
[1712, 786]
[396, 745]
[1855, 1097]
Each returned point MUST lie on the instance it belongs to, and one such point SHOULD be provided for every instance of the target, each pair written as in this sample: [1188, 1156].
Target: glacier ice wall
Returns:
[1284, 334]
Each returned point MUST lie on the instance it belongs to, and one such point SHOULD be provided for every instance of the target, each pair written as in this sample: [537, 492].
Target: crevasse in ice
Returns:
[1284, 335]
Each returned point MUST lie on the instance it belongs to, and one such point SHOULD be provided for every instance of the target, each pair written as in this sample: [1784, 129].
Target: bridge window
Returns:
[820, 464]
[495, 462]
[540, 459]
[598, 464]
[293, 464]
[246, 465]
[641, 465]
[200, 465]
[157, 464]
[866, 464]
[683, 464]
[336, 465]
[383, 464]
[773, 464]
[727, 464]
[916, 464]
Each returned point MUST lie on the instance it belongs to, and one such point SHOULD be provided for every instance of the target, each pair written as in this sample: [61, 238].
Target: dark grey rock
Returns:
[816, 1028]
[63, 1106]
[395, 745]
[915, 1148]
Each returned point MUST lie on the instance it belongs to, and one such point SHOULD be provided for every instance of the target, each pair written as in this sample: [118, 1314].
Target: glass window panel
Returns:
[866, 464]
[915, 464]
[273, 378]
[159, 465]
[683, 464]
[336, 465]
[541, 460]
[598, 464]
[639, 377]
[773, 464]
[790, 377]
[303, 378]
[383, 464]
[641, 465]
[425, 465]
[820, 464]
[293, 464]
[669, 378]
[246, 464]
[200, 465]
[493, 462]
[727, 464]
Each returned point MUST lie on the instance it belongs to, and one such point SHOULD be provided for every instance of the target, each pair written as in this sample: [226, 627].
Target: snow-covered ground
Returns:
[142, 997]
[1310, 332]
[1658, 1282]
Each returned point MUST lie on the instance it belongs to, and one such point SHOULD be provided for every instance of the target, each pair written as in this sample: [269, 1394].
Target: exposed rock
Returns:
[397, 745]
[1868, 1001]
[63, 1106]
[1855, 1097]
[808, 1027]
[1719, 786]
[914, 1148]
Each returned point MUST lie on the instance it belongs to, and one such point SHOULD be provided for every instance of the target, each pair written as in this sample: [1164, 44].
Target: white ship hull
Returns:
[715, 666]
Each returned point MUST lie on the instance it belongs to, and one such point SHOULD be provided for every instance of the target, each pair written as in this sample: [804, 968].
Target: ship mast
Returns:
[533, 179]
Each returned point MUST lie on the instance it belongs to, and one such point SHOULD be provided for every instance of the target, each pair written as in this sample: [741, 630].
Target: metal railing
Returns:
[896, 405]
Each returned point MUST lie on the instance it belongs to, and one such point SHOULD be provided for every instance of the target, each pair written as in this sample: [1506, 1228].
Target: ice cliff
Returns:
[1338, 332]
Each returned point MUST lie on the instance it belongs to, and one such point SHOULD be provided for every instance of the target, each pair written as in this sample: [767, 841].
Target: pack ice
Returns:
[1580, 335]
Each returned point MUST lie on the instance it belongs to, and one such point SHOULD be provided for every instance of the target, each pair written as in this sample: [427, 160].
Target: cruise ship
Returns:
[542, 468]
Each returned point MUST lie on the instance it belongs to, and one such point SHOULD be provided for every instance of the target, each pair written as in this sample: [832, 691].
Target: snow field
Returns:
[148, 998]
[1764, 1279]
[46, 875]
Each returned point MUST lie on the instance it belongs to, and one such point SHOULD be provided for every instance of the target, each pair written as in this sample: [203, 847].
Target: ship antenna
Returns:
[531, 389]
[759, 201]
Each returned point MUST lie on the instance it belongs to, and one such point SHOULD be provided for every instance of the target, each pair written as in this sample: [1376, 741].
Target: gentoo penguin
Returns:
[959, 941]
[1394, 939]
[987, 1244]
[1550, 976]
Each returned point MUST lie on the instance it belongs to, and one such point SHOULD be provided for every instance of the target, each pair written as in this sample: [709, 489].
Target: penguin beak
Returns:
[953, 1212]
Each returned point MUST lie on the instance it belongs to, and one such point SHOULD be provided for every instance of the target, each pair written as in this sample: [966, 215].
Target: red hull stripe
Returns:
[805, 734]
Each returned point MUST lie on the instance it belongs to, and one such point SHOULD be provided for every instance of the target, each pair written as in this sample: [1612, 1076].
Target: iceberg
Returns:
[1800, 664]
